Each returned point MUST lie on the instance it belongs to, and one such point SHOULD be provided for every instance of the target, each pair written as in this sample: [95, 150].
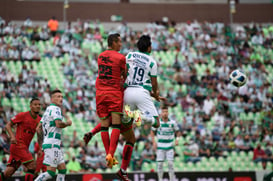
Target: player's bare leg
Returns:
[10, 170]
[7, 173]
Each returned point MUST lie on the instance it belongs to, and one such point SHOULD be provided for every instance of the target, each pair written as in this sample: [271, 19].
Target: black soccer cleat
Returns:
[123, 175]
[87, 137]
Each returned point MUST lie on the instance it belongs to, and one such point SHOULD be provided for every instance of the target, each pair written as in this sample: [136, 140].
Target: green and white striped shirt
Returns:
[52, 134]
[166, 134]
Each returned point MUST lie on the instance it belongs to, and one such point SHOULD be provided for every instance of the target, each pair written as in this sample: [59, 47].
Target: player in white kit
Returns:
[49, 137]
[141, 81]
[165, 143]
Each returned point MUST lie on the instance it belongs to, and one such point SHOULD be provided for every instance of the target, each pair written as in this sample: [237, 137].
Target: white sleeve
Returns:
[57, 114]
[175, 127]
[153, 67]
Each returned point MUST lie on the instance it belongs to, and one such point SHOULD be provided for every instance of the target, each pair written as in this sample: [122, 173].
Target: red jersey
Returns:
[26, 128]
[111, 65]
[258, 153]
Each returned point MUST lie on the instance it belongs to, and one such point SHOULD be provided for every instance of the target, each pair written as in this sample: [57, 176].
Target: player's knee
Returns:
[8, 174]
[131, 140]
[31, 166]
[170, 163]
[160, 165]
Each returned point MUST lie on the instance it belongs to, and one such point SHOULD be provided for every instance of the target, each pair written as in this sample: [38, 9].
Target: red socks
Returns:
[126, 155]
[114, 138]
[96, 129]
[105, 138]
[29, 177]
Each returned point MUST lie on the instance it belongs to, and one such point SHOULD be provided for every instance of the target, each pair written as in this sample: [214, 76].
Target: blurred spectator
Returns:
[204, 149]
[95, 161]
[73, 166]
[144, 133]
[85, 166]
[242, 144]
[216, 150]
[136, 157]
[147, 154]
[53, 25]
[3, 164]
[191, 153]
[3, 117]
[260, 156]
[28, 22]
[4, 142]
[95, 149]
[10, 113]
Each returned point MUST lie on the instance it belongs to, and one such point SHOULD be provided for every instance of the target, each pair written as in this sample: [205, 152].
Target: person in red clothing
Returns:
[19, 154]
[109, 94]
[39, 160]
[259, 155]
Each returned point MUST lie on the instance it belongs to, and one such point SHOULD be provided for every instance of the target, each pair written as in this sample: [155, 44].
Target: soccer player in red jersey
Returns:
[109, 93]
[26, 127]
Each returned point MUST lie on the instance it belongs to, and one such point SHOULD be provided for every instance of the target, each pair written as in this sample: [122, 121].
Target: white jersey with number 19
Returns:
[141, 67]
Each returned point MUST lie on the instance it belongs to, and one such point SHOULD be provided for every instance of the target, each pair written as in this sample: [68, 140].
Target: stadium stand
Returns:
[194, 60]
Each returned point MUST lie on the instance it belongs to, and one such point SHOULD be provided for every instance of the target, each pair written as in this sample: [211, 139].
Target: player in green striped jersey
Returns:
[166, 134]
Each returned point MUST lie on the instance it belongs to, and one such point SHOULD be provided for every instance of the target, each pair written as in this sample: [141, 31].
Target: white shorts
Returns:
[139, 98]
[53, 157]
[162, 155]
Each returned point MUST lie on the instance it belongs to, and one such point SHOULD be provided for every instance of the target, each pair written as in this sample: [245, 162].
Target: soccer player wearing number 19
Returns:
[109, 94]
[141, 81]
[49, 138]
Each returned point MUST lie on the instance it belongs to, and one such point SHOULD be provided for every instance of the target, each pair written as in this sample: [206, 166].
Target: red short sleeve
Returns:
[18, 118]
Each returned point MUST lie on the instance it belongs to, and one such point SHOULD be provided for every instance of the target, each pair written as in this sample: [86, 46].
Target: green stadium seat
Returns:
[199, 166]
[146, 167]
[108, 170]
[250, 116]
[99, 170]
[250, 155]
[243, 155]
[190, 166]
[5, 102]
[141, 146]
